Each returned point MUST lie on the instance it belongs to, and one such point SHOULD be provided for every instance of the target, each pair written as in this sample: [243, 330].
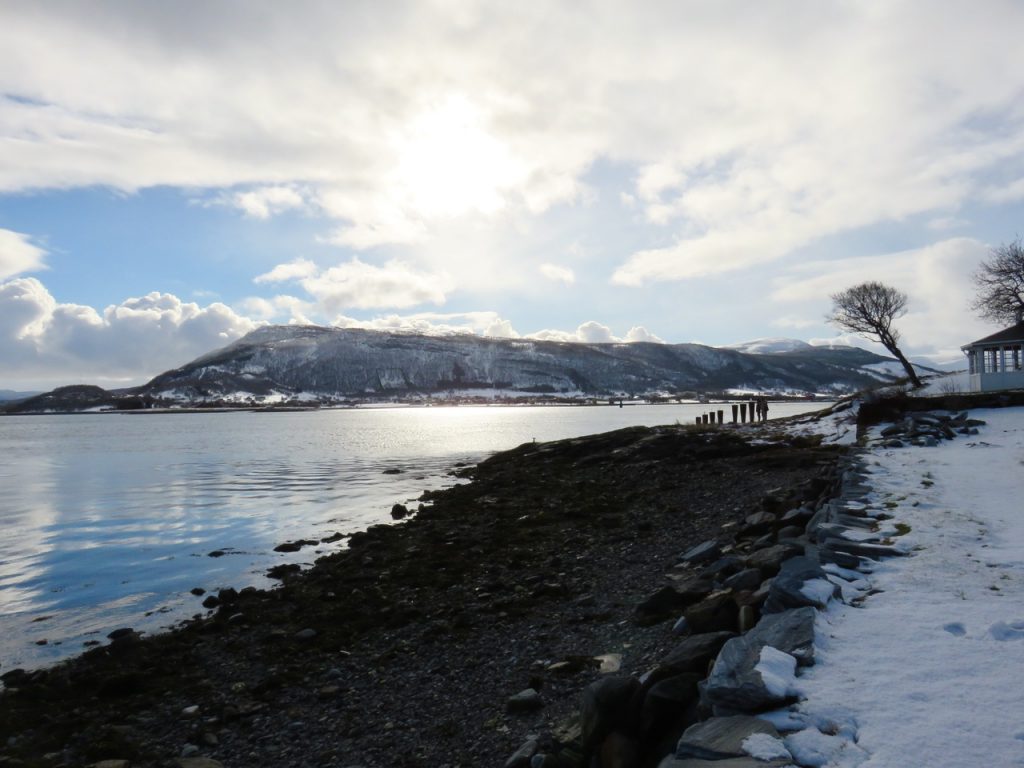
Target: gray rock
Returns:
[748, 578]
[605, 707]
[669, 601]
[526, 700]
[770, 559]
[702, 553]
[722, 567]
[859, 549]
[715, 613]
[721, 737]
[305, 634]
[758, 523]
[732, 762]
[399, 511]
[667, 700]
[693, 654]
[734, 683]
[786, 590]
[522, 756]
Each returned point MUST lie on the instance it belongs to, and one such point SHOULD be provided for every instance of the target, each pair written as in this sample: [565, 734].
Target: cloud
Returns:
[639, 333]
[264, 202]
[401, 120]
[593, 332]
[936, 278]
[436, 323]
[357, 285]
[292, 270]
[558, 274]
[47, 343]
[18, 254]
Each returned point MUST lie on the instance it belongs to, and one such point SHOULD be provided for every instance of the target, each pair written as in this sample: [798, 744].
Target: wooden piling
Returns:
[721, 417]
[735, 412]
[743, 413]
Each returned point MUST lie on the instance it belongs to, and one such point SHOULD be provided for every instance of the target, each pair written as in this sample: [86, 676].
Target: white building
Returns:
[995, 361]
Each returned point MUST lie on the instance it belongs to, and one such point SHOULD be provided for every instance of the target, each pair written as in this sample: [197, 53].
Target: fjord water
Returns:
[108, 519]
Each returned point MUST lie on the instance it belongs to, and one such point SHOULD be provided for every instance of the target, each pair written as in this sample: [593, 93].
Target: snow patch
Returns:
[761, 746]
[778, 672]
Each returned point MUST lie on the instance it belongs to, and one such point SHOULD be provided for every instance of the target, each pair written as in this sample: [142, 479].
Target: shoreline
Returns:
[542, 556]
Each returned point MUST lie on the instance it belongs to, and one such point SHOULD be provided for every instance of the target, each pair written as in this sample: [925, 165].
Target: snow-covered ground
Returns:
[929, 671]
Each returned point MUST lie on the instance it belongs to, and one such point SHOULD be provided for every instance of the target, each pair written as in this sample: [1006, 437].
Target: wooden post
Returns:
[735, 412]
[753, 411]
[704, 418]
[697, 418]
[721, 419]
[743, 413]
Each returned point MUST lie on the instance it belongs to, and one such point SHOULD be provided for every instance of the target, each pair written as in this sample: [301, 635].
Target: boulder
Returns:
[666, 702]
[758, 523]
[692, 655]
[731, 762]
[790, 588]
[748, 578]
[770, 559]
[735, 684]
[715, 613]
[526, 700]
[705, 552]
[606, 707]
[669, 601]
[722, 567]
[721, 737]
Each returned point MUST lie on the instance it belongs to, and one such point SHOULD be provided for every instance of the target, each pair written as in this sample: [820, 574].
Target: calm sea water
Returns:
[108, 520]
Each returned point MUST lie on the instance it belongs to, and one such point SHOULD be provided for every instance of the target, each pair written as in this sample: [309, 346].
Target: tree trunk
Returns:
[890, 344]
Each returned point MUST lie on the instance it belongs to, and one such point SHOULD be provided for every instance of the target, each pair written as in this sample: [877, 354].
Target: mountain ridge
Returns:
[318, 364]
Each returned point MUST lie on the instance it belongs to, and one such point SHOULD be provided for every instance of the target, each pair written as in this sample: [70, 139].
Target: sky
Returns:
[173, 175]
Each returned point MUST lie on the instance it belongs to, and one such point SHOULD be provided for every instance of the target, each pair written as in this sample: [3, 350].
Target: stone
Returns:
[522, 756]
[526, 700]
[734, 684]
[399, 511]
[619, 751]
[211, 602]
[716, 612]
[770, 559]
[859, 549]
[605, 706]
[732, 762]
[722, 567]
[669, 601]
[110, 763]
[790, 532]
[692, 655]
[199, 762]
[305, 634]
[748, 578]
[721, 737]
[705, 552]
[117, 634]
[197, 591]
[189, 750]
[758, 523]
[788, 589]
[666, 701]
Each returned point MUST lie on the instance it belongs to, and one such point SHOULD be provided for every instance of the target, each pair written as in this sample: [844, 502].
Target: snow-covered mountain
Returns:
[769, 346]
[312, 362]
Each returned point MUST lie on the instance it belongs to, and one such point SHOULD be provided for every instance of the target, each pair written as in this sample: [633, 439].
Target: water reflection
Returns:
[108, 518]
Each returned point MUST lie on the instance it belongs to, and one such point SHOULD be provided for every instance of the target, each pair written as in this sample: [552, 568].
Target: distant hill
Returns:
[6, 395]
[317, 364]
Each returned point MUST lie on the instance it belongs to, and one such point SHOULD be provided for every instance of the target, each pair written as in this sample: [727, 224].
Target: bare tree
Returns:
[869, 310]
[1000, 283]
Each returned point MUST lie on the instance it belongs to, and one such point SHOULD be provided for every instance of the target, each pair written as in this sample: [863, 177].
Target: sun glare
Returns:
[450, 165]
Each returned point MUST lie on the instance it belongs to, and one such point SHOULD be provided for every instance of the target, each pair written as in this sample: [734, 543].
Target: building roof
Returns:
[1013, 333]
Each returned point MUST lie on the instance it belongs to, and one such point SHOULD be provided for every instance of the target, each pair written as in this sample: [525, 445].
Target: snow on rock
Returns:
[818, 591]
[778, 673]
[814, 749]
[762, 746]
[929, 670]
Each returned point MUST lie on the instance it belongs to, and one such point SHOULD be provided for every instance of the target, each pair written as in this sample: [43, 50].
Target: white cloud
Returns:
[18, 254]
[436, 323]
[264, 202]
[749, 132]
[937, 280]
[292, 270]
[593, 332]
[558, 274]
[357, 285]
[639, 333]
[47, 343]
[281, 308]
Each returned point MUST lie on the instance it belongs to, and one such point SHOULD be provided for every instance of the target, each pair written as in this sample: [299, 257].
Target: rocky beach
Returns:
[410, 647]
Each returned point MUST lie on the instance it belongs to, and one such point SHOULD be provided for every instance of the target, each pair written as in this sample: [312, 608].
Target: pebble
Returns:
[305, 634]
